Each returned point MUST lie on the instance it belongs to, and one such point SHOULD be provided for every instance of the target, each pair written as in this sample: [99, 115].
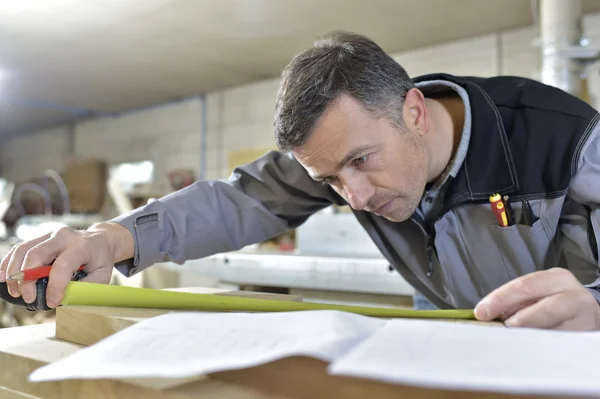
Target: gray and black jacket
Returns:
[521, 138]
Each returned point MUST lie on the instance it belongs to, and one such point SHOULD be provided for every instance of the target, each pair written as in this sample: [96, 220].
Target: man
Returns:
[417, 160]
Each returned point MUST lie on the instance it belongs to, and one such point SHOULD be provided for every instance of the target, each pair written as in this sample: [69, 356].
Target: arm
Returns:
[260, 200]
[581, 218]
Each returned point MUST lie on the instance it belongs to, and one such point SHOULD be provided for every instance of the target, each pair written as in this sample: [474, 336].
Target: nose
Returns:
[358, 193]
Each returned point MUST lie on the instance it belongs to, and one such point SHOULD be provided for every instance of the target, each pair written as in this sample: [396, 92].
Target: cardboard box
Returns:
[86, 184]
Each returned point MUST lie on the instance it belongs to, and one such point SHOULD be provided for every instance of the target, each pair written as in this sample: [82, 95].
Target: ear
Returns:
[415, 113]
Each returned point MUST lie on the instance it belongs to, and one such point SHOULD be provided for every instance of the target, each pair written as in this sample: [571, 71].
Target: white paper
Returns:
[472, 357]
[433, 354]
[179, 345]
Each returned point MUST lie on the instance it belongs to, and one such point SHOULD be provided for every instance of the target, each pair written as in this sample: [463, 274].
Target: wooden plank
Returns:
[86, 325]
[307, 378]
[24, 349]
[6, 393]
[295, 377]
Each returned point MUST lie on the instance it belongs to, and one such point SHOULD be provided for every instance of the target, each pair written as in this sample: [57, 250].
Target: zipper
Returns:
[430, 253]
[591, 235]
[430, 233]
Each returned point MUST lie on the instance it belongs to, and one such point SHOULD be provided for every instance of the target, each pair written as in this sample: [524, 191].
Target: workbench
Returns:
[24, 349]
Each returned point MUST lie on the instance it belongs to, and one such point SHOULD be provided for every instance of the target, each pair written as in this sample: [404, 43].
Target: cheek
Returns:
[404, 172]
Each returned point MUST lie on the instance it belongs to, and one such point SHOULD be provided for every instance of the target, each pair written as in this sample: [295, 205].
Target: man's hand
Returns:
[551, 298]
[98, 249]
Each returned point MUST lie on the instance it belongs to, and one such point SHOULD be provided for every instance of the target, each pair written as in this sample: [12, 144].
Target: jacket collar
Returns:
[488, 167]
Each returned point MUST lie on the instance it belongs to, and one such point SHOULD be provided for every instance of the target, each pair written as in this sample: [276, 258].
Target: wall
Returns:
[169, 135]
[30, 155]
[241, 117]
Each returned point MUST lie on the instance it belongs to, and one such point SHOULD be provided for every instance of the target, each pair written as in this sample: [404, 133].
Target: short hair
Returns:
[339, 63]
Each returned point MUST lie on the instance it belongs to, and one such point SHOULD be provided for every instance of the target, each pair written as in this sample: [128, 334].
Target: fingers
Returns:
[62, 272]
[67, 250]
[4, 264]
[519, 293]
[16, 261]
[506, 314]
[42, 254]
[574, 310]
[549, 312]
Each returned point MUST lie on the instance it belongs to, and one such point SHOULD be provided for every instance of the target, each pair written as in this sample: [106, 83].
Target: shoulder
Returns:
[584, 187]
[524, 93]
[521, 93]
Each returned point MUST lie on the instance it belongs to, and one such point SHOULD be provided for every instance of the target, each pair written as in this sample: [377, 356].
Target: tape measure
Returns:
[90, 294]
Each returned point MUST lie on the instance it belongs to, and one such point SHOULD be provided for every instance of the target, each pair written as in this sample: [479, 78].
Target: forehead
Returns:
[344, 126]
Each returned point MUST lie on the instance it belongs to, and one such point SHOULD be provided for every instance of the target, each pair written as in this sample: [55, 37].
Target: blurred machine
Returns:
[335, 261]
[74, 192]
[333, 233]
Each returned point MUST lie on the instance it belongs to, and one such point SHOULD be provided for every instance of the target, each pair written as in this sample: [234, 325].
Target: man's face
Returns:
[372, 164]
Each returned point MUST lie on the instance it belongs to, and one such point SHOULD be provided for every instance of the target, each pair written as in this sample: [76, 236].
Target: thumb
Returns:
[62, 273]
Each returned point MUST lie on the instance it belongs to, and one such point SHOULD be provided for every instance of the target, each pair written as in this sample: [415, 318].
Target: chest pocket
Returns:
[495, 255]
[524, 249]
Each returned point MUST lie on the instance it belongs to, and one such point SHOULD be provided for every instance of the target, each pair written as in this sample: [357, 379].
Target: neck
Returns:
[447, 118]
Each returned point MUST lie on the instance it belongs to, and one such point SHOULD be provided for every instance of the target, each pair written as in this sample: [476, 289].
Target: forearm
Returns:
[261, 200]
[177, 228]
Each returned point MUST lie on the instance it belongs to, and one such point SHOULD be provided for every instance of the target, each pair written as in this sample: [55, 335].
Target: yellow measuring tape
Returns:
[89, 294]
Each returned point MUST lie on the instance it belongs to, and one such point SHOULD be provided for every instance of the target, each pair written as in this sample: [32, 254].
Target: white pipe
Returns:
[62, 187]
[119, 196]
[560, 29]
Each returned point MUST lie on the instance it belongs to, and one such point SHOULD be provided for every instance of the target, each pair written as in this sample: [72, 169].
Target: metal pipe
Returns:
[203, 138]
[561, 30]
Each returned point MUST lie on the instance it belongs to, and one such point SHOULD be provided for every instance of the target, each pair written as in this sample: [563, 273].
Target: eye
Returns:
[328, 179]
[361, 160]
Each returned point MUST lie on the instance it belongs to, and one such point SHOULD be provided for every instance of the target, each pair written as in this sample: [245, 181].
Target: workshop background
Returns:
[108, 104]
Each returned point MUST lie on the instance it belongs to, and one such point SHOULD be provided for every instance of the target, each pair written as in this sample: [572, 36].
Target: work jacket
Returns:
[521, 138]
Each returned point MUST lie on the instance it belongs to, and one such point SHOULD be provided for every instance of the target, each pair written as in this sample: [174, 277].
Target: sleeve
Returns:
[260, 200]
[581, 216]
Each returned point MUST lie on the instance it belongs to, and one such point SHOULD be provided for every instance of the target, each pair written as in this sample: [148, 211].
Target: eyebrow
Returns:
[350, 156]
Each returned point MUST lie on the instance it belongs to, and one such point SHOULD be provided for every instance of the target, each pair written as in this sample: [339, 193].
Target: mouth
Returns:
[385, 208]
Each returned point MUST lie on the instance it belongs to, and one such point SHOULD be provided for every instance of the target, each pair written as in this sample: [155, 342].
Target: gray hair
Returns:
[339, 63]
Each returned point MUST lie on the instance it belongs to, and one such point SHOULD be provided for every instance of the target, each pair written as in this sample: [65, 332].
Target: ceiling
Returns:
[65, 59]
